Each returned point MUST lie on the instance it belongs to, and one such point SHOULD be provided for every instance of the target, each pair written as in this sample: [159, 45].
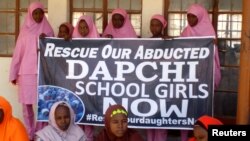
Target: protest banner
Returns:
[163, 84]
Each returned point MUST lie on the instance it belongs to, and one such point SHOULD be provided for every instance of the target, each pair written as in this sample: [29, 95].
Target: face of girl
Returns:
[117, 20]
[119, 125]
[83, 28]
[200, 133]
[1, 115]
[63, 31]
[156, 28]
[37, 15]
[192, 20]
[62, 117]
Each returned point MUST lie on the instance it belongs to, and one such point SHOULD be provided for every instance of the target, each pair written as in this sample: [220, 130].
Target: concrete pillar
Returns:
[58, 11]
[149, 8]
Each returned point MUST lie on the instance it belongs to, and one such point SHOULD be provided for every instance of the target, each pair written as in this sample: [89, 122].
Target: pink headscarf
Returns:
[204, 26]
[161, 19]
[30, 26]
[53, 133]
[69, 26]
[93, 33]
[126, 31]
[25, 54]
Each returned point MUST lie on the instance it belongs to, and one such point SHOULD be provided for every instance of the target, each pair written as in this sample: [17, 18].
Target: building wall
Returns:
[58, 12]
[8, 90]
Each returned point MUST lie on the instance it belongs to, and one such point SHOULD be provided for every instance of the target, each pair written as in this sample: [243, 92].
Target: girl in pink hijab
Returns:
[199, 24]
[119, 26]
[85, 28]
[65, 31]
[61, 126]
[23, 69]
[203, 25]
[157, 26]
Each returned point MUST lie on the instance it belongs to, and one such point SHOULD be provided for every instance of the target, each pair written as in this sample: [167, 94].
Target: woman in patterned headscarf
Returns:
[116, 126]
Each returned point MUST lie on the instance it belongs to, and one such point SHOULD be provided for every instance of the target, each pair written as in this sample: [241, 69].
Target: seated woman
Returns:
[200, 130]
[116, 126]
[61, 126]
[11, 128]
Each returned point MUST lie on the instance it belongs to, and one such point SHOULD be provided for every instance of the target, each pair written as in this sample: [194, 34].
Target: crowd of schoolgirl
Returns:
[61, 126]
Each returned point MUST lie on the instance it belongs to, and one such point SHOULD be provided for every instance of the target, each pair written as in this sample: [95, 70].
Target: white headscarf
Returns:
[53, 133]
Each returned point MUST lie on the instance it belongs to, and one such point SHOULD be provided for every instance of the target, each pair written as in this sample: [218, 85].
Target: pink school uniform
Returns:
[204, 27]
[23, 68]
[161, 134]
[158, 134]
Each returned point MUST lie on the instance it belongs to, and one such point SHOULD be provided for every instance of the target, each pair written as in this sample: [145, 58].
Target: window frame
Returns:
[105, 11]
[17, 10]
[17, 23]
[228, 68]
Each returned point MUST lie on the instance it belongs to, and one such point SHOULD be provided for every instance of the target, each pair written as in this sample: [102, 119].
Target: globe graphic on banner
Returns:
[48, 95]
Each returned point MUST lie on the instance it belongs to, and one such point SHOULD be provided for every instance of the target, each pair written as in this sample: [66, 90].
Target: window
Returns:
[8, 26]
[12, 13]
[229, 24]
[226, 17]
[101, 10]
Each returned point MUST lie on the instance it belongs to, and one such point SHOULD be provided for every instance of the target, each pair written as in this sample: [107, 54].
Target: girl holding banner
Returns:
[199, 24]
[85, 28]
[119, 26]
[23, 70]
